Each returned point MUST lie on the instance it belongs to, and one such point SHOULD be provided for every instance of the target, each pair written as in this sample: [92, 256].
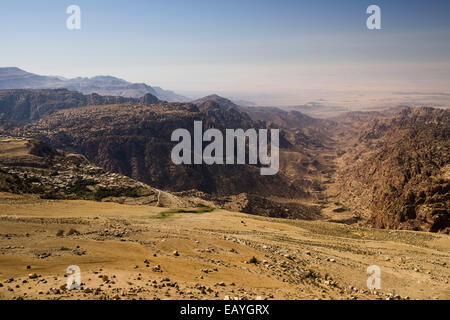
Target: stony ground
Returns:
[142, 252]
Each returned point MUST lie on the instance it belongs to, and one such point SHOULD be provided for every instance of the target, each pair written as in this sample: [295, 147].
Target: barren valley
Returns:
[87, 181]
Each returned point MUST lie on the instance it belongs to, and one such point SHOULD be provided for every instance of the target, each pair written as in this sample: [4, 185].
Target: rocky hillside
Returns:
[30, 166]
[134, 139]
[398, 172]
[22, 106]
[300, 129]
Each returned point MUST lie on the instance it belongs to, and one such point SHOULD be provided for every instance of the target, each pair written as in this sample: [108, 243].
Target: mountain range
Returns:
[15, 78]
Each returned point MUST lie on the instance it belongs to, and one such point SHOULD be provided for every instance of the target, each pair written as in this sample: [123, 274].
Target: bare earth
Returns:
[128, 252]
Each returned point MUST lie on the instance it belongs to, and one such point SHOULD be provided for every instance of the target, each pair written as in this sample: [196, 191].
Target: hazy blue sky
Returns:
[243, 48]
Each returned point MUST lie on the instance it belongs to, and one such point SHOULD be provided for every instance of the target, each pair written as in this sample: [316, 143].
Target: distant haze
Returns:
[268, 52]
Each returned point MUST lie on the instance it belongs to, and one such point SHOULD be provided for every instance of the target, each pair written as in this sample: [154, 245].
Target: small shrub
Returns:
[52, 196]
[73, 232]
[170, 212]
[32, 180]
[253, 260]
[79, 187]
[102, 193]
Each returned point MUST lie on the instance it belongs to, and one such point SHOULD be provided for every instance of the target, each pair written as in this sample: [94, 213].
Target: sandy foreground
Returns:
[141, 252]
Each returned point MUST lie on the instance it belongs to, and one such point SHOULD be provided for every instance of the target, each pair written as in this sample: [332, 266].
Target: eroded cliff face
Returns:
[397, 173]
[24, 106]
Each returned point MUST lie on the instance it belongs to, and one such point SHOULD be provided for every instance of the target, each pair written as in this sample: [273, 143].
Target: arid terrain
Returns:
[88, 181]
[143, 252]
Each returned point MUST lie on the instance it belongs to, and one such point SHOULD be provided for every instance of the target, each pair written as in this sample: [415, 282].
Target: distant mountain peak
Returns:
[11, 69]
[8, 71]
[105, 85]
[220, 101]
[214, 96]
